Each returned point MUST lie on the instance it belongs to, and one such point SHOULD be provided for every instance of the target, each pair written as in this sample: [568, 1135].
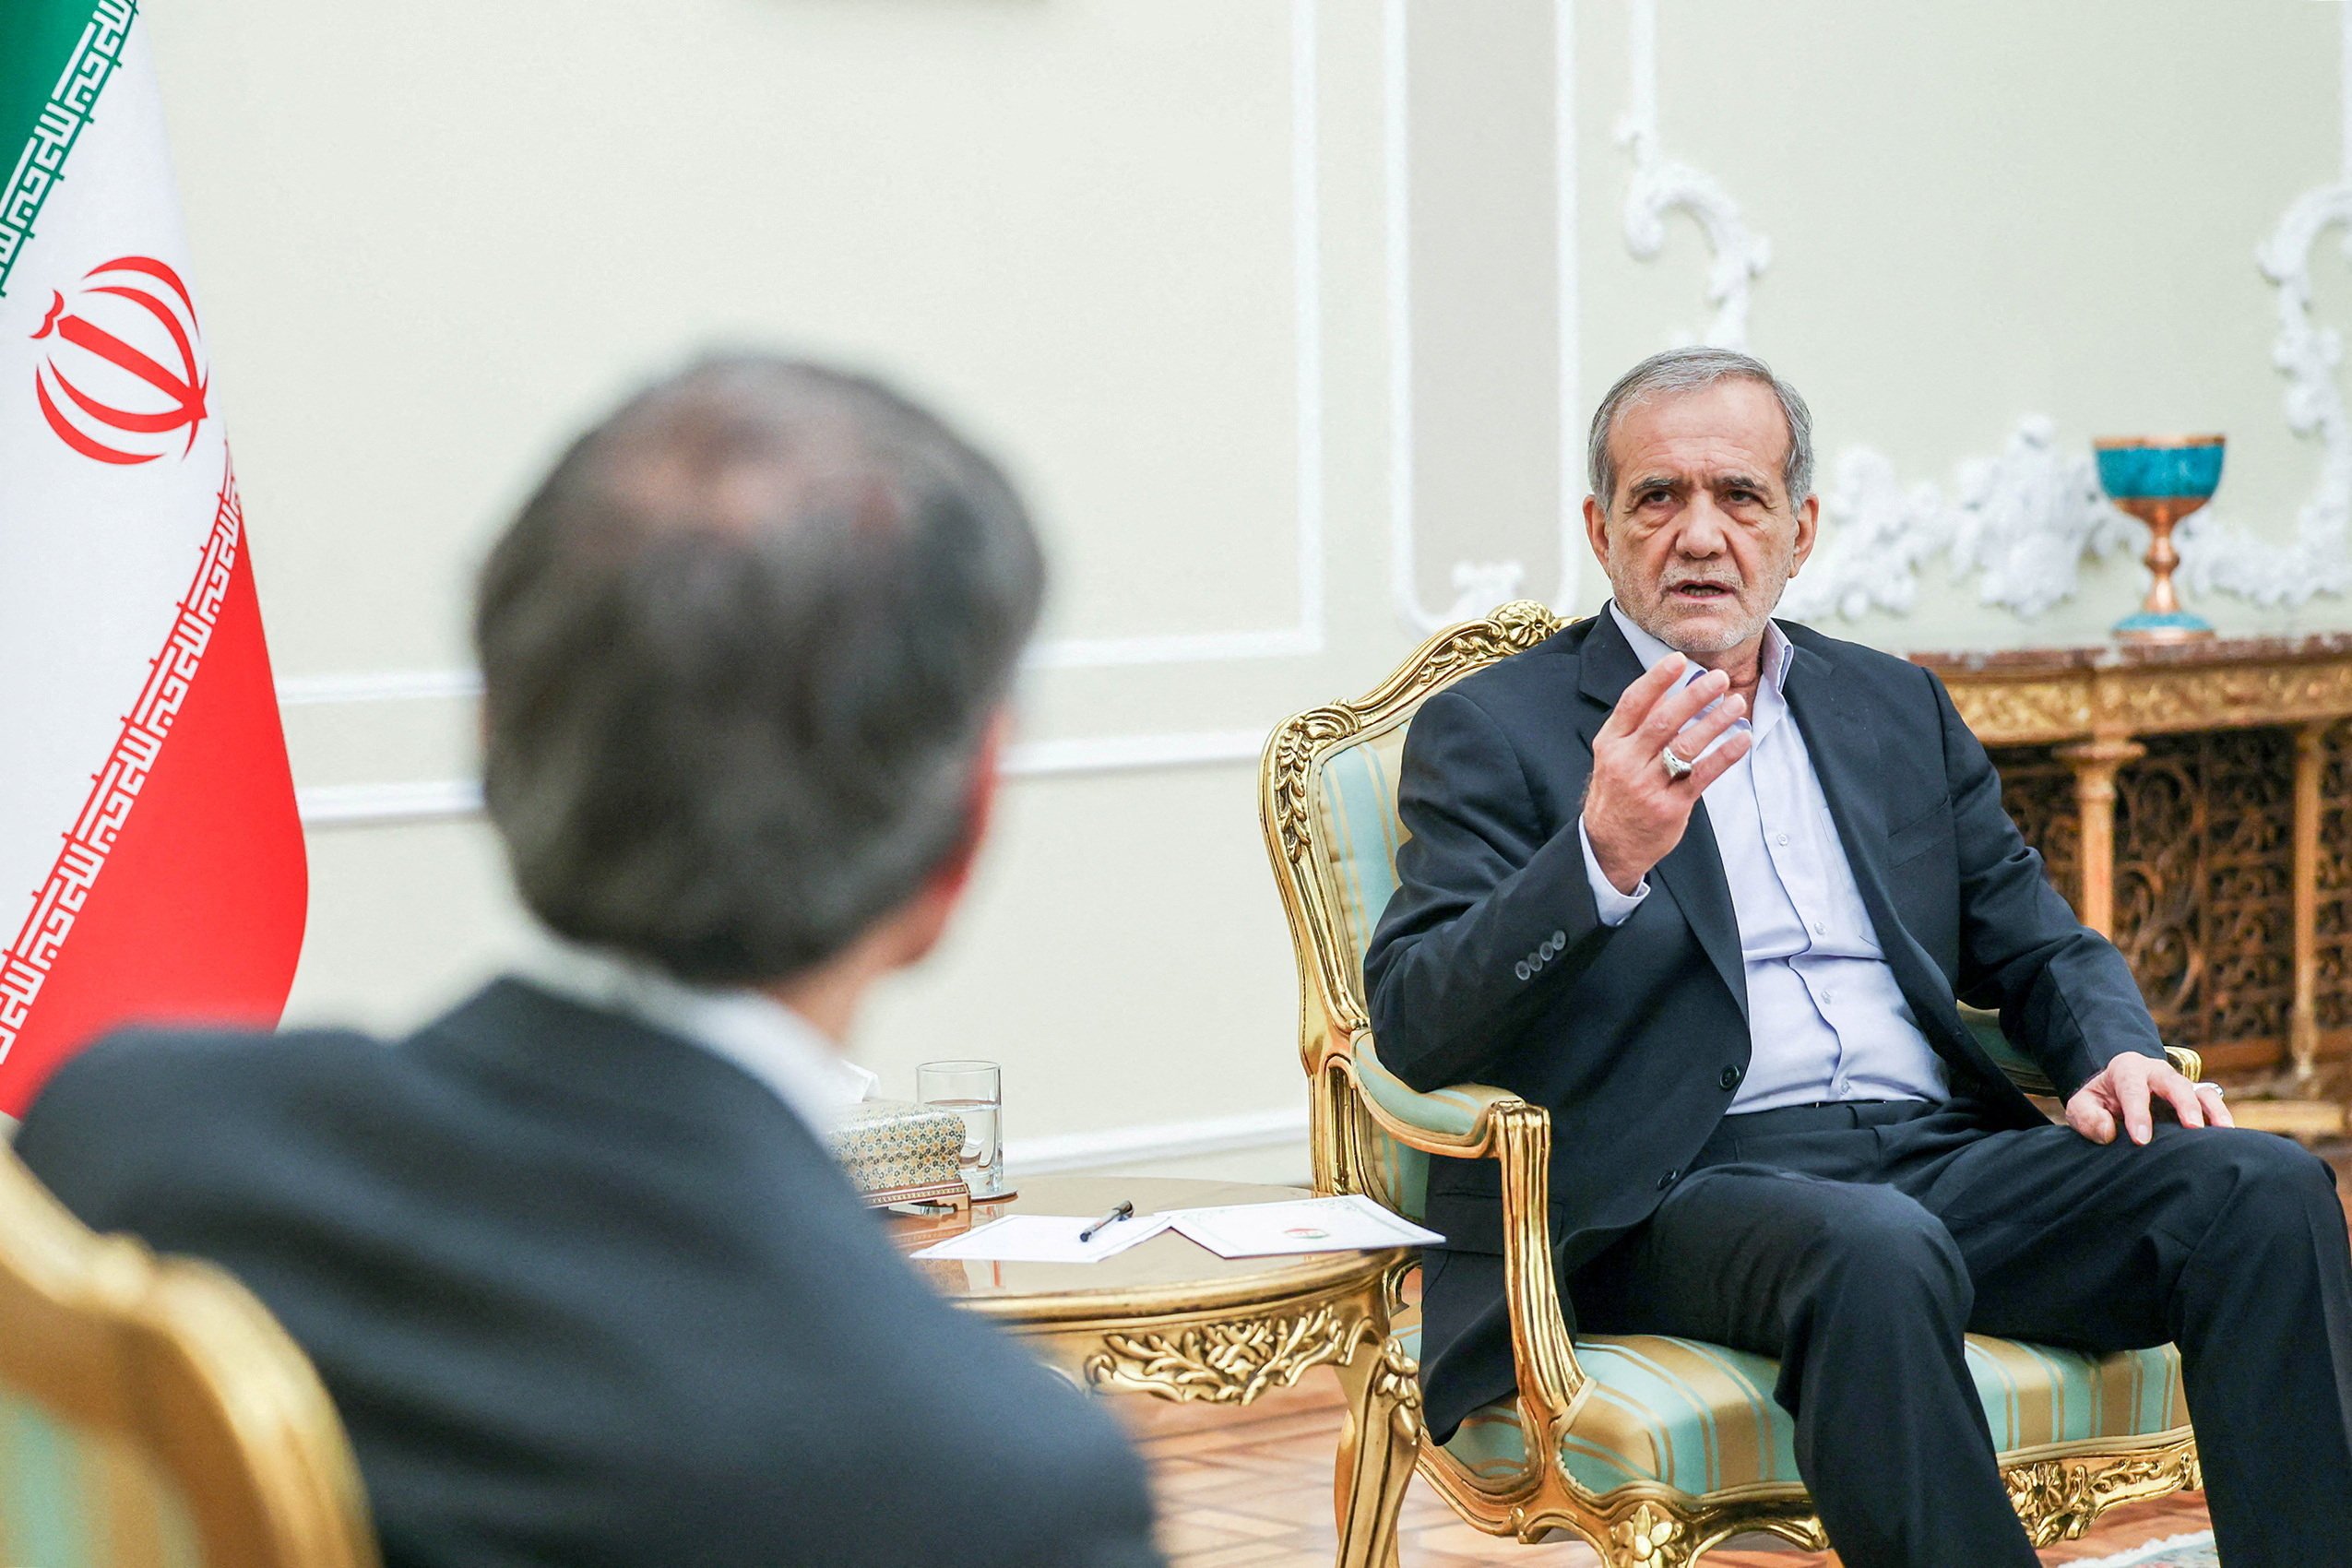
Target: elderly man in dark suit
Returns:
[574, 1259]
[1706, 886]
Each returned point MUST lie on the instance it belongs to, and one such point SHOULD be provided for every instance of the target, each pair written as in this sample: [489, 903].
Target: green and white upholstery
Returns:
[1701, 1418]
[76, 1499]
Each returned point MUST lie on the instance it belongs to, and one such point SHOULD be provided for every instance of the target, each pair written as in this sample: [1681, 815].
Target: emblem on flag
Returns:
[131, 334]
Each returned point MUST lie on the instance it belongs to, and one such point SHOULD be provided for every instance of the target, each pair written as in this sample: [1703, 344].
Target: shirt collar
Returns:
[1771, 660]
[755, 1032]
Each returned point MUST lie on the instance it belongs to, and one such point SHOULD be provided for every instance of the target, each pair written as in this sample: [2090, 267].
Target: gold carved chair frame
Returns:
[2058, 1491]
[168, 1377]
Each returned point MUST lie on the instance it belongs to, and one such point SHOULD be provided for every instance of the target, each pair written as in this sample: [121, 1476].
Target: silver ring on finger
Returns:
[2214, 1089]
[1675, 769]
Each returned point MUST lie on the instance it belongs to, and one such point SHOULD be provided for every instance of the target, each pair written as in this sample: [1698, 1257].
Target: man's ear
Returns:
[1597, 529]
[1808, 529]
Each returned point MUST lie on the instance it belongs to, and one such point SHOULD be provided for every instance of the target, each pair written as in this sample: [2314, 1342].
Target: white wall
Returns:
[1189, 264]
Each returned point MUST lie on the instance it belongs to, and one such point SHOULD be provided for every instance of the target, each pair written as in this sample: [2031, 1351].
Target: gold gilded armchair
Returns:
[152, 1413]
[1652, 1449]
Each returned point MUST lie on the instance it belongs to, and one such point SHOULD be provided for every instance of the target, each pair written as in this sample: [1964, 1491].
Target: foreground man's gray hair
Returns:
[740, 657]
[1688, 370]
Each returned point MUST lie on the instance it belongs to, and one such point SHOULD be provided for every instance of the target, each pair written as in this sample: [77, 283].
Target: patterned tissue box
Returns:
[897, 1151]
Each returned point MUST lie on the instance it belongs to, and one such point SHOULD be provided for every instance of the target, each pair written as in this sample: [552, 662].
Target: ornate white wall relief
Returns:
[2022, 523]
[1659, 186]
[2220, 558]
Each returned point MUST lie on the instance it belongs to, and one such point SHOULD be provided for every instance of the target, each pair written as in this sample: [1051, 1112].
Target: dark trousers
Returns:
[1858, 1243]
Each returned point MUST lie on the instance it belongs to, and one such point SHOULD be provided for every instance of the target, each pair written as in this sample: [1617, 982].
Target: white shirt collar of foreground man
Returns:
[757, 1033]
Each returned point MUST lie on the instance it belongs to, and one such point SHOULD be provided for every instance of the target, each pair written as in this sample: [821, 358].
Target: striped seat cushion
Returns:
[70, 1499]
[1701, 1418]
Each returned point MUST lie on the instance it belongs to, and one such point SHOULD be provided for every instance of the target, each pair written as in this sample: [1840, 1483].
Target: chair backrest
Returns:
[1327, 802]
[152, 1413]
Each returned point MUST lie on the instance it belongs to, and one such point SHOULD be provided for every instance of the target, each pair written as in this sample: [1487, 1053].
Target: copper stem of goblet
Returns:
[2161, 559]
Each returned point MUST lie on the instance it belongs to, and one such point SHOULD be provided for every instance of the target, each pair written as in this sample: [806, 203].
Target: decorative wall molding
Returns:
[449, 799]
[381, 685]
[1308, 636]
[1659, 186]
[1479, 586]
[1568, 266]
[388, 805]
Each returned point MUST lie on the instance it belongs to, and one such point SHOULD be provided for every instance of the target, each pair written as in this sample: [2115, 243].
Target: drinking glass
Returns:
[974, 1091]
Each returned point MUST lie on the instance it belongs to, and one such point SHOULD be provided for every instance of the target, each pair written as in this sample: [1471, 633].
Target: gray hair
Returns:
[739, 655]
[1688, 370]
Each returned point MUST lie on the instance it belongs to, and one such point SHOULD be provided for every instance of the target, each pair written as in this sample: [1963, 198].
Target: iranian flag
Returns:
[149, 838]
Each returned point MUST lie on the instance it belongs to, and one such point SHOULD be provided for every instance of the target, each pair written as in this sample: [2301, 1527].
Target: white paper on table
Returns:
[1046, 1238]
[1309, 1225]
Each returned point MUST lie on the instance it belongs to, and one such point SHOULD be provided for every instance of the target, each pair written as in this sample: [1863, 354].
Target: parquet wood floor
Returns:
[1252, 1489]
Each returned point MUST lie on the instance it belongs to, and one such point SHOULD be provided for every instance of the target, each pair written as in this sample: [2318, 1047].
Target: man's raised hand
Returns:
[1634, 810]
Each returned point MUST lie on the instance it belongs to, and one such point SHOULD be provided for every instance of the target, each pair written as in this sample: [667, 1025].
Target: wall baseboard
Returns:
[1164, 1140]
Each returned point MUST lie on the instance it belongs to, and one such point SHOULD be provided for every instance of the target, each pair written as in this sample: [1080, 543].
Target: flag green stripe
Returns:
[55, 57]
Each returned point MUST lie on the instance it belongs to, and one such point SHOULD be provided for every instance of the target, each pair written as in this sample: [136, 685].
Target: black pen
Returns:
[1126, 1210]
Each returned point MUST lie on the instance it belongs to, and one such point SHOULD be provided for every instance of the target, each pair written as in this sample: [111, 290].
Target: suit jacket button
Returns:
[1521, 969]
[1559, 940]
[1668, 1180]
[1729, 1079]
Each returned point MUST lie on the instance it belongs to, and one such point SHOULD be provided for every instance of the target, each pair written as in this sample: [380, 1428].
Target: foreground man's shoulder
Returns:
[147, 1074]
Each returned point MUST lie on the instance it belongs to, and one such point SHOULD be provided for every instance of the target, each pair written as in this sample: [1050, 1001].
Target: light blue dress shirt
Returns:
[1825, 1018]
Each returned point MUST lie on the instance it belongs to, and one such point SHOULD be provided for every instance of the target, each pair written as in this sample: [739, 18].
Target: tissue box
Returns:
[897, 1151]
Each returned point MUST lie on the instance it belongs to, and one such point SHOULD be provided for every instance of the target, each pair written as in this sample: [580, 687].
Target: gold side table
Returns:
[1172, 1320]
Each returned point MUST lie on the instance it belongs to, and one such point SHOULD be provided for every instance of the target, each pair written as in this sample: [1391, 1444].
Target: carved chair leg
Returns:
[1376, 1451]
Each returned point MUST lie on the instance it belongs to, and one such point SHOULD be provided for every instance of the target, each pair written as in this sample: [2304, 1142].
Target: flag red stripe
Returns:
[180, 890]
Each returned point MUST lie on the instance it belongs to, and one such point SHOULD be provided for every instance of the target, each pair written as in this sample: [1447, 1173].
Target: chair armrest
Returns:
[1456, 1120]
[1475, 1122]
[2026, 1074]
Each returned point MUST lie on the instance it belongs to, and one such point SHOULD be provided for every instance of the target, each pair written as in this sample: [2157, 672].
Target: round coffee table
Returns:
[1172, 1319]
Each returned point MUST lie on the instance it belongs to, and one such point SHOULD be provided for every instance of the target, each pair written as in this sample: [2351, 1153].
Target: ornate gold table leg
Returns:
[1376, 1451]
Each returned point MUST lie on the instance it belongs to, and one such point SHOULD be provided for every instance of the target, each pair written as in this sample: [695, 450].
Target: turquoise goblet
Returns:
[2160, 480]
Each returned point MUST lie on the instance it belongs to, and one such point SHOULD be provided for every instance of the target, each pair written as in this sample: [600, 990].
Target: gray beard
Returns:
[1722, 643]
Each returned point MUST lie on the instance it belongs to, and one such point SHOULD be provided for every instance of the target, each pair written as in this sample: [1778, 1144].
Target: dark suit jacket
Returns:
[1636, 1037]
[585, 1293]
